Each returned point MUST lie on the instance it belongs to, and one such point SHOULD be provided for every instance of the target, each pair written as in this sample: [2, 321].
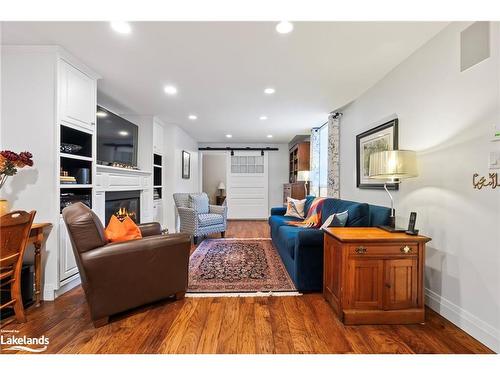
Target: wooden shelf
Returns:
[75, 186]
[299, 160]
[75, 157]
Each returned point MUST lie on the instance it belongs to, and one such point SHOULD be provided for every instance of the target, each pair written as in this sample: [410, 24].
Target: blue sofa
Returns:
[301, 249]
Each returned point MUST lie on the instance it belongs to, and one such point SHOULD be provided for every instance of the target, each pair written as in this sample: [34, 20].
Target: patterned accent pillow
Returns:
[295, 207]
[199, 202]
[336, 220]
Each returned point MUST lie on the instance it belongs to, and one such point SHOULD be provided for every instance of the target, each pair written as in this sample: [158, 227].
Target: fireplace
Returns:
[123, 203]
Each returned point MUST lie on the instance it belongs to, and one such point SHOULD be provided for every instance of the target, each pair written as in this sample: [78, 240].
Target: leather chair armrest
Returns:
[150, 229]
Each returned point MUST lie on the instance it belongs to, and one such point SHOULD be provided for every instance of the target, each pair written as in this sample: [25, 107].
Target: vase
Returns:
[4, 206]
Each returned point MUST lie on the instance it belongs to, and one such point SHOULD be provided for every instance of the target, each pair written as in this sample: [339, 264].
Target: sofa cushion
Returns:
[307, 205]
[276, 221]
[206, 220]
[379, 215]
[287, 236]
[199, 202]
[358, 213]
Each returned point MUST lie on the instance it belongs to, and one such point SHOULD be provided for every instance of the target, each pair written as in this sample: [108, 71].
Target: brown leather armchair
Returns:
[123, 275]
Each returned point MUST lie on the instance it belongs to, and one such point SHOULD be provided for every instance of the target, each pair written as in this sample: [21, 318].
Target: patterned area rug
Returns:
[237, 266]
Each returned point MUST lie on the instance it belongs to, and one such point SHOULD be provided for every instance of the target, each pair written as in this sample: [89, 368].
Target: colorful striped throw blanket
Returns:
[313, 218]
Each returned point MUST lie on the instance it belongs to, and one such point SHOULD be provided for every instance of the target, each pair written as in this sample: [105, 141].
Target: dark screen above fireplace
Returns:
[124, 202]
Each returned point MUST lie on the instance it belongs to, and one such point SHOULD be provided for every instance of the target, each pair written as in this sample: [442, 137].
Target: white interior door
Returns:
[247, 185]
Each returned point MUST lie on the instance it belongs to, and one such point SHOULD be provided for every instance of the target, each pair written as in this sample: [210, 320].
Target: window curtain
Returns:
[314, 162]
[333, 189]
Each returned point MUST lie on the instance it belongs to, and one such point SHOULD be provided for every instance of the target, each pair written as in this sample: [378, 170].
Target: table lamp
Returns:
[304, 176]
[221, 188]
[393, 166]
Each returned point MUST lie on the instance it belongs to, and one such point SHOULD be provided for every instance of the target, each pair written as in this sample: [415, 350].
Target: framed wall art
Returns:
[186, 165]
[381, 138]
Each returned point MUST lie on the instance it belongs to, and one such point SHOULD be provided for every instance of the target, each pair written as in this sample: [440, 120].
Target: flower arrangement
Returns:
[10, 162]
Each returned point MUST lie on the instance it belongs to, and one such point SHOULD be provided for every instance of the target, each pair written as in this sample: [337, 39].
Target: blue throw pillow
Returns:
[340, 219]
[336, 220]
[199, 202]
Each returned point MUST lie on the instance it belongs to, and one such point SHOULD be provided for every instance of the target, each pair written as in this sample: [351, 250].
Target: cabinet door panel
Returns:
[67, 263]
[78, 93]
[157, 138]
[401, 287]
[365, 283]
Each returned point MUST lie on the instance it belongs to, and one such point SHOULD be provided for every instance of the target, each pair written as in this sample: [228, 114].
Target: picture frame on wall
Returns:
[381, 138]
[186, 165]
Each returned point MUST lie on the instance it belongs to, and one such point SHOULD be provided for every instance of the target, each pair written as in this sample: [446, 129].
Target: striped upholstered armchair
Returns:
[198, 217]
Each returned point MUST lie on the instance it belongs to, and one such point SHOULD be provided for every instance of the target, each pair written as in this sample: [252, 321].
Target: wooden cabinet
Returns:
[299, 156]
[374, 277]
[77, 96]
[67, 263]
[296, 190]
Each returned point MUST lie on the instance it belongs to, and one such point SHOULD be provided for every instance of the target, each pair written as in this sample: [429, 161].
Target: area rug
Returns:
[236, 267]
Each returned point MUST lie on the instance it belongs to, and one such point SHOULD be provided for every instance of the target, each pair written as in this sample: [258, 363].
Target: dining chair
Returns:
[15, 229]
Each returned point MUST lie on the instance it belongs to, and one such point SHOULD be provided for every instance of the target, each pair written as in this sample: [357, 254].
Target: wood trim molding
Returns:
[479, 329]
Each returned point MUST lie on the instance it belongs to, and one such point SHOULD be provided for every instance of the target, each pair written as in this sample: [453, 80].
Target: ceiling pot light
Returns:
[123, 133]
[192, 117]
[229, 136]
[263, 118]
[269, 91]
[284, 27]
[269, 136]
[101, 114]
[170, 90]
[121, 27]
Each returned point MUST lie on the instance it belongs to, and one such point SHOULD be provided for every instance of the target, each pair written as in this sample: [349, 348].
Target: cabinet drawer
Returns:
[405, 249]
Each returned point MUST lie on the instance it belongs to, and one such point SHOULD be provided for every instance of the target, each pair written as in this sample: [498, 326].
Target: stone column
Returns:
[333, 155]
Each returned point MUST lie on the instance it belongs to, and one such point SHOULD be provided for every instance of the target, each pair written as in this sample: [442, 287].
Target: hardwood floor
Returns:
[304, 324]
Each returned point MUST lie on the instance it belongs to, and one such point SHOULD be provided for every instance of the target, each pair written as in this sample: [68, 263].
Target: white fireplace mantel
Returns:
[123, 179]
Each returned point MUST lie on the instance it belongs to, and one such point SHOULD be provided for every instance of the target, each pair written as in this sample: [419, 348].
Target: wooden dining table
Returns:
[37, 236]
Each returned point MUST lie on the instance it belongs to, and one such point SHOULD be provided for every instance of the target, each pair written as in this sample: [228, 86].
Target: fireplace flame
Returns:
[122, 213]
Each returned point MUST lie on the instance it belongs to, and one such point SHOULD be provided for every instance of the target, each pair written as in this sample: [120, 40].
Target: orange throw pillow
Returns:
[119, 231]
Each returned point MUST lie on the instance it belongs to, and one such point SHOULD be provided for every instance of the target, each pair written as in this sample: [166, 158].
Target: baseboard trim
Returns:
[48, 292]
[477, 328]
[70, 284]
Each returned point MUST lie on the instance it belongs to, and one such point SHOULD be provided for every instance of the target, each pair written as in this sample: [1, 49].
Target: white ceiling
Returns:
[222, 68]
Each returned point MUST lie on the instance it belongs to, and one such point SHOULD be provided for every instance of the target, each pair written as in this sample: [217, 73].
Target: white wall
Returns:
[177, 140]
[28, 77]
[214, 171]
[278, 167]
[447, 117]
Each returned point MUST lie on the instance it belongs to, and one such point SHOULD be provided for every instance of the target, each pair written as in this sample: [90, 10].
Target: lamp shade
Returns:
[303, 175]
[393, 165]
[221, 186]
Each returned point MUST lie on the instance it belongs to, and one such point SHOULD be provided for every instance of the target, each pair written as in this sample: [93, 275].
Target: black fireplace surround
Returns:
[128, 200]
